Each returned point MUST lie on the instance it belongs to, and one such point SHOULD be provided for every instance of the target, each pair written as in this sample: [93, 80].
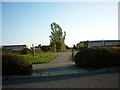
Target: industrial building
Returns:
[97, 43]
[14, 47]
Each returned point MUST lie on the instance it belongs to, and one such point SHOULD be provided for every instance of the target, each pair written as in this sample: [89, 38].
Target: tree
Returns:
[57, 38]
[67, 47]
[53, 46]
[74, 47]
[25, 51]
[39, 46]
[45, 48]
[87, 44]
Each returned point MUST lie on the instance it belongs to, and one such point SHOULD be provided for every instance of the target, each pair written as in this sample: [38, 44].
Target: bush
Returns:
[24, 51]
[45, 48]
[11, 52]
[81, 47]
[15, 65]
[113, 49]
[97, 57]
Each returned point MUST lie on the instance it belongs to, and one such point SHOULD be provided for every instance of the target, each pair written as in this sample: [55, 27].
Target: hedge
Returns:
[15, 65]
[98, 57]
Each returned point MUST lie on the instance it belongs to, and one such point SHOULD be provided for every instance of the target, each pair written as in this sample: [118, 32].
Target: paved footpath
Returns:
[63, 73]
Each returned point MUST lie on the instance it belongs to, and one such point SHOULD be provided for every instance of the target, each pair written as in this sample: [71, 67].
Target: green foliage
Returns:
[74, 47]
[25, 51]
[63, 46]
[57, 38]
[52, 46]
[112, 49]
[3, 48]
[81, 47]
[67, 47]
[87, 44]
[39, 46]
[45, 48]
[43, 58]
[97, 57]
[0, 49]
[50, 53]
[15, 65]
[59, 46]
[75, 52]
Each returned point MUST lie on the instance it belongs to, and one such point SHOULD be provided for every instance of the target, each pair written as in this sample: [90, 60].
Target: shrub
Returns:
[45, 48]
[24, 51]
[113, 49]
[87, 44]
[81, 47]
[67, 47]
[97, 57]
[14, 65]
[74, 47]
[52, 47]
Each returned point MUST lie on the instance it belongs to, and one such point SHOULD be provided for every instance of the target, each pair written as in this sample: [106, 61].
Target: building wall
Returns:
[103, 43]
[93, 44]
[15, 47]
[111, 43]
[81, 43]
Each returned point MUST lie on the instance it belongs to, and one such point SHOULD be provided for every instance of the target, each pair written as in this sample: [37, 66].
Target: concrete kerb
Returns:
[107, 71]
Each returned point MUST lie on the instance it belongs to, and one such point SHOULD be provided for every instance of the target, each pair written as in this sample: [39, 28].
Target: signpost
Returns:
[33, 50]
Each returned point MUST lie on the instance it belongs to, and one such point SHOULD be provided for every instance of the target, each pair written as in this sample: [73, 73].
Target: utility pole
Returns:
[33, 50]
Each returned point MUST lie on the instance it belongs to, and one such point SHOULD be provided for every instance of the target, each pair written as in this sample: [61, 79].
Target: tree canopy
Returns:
[57, 38]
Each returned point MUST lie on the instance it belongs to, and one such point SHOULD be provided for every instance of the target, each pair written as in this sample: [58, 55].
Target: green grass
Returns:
[40, 58]
[51, 52]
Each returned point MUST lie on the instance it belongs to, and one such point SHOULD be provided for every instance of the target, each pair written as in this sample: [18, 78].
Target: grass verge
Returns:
[51, 52]
[40, 58]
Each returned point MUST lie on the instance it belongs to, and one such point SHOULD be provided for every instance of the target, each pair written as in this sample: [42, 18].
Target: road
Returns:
[63, 73]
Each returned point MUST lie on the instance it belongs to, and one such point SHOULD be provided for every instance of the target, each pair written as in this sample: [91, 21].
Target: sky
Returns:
[29, 22]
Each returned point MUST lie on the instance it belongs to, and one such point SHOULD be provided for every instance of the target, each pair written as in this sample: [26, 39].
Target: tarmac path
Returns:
[63, 73]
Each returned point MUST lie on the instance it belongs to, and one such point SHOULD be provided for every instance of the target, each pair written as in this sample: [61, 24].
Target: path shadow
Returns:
[71, 67]
[40, 79]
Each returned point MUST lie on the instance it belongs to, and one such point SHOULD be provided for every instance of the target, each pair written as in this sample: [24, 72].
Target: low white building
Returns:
[97, 43]
[14, 47]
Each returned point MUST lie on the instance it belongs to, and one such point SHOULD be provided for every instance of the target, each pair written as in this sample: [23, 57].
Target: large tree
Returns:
[57, 38]
[86, 43]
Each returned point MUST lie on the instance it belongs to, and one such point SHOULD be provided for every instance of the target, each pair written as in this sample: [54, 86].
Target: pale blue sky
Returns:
[27, 23]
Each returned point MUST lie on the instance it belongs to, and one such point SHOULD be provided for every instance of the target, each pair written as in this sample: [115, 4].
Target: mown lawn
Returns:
[40, 58]
[51, 52]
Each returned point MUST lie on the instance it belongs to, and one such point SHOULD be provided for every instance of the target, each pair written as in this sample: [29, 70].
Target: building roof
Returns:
[103, 40]
[13, 45]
